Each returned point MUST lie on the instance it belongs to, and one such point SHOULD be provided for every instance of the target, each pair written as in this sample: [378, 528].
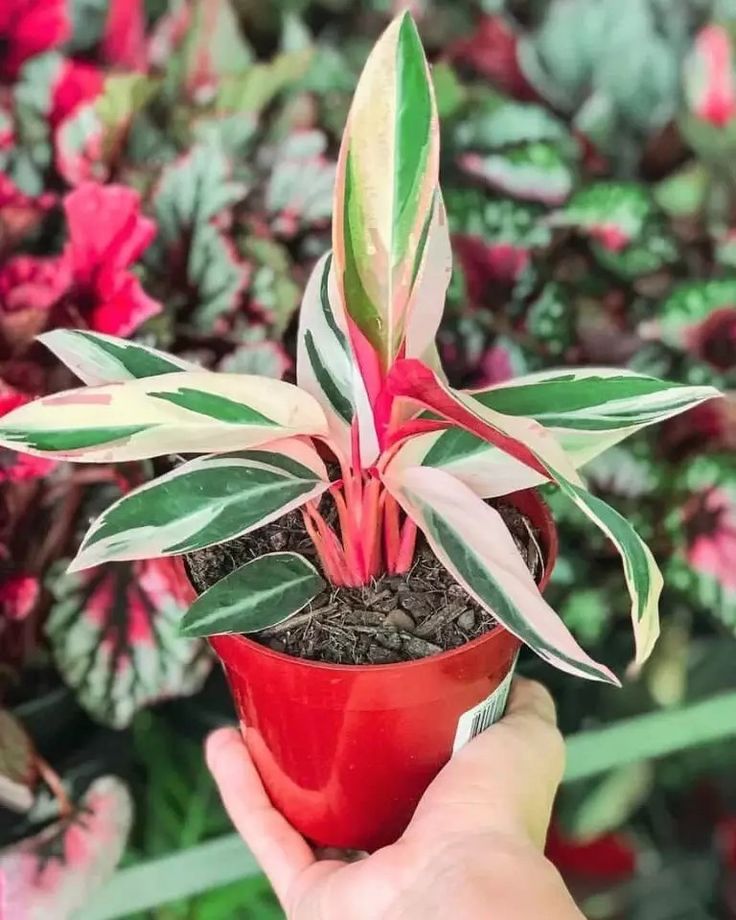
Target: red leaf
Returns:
[485, 262]
[18, 596]
[124, 39]
[29, 27]
[53, 873]
[107, 233]
[491, 50]
[610, 856]
[77, 82]
[414, 380]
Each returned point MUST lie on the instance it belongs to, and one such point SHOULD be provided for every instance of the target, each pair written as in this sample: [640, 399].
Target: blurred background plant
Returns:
[166, 173]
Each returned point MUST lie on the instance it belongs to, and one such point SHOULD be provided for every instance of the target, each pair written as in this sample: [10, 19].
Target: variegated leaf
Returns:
[114, 635]
[427, 301]
[54, 873]
[98, 359]
[521, 438]
[203, 502]
[587, 409]
[473, 543]
[173, 413]
[385, 186]
[326, 365]
[257, 595]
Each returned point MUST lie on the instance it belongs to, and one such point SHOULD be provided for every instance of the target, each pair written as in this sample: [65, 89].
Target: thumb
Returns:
[506, 778]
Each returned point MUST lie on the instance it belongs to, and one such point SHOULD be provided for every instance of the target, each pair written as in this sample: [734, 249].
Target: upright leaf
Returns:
[475, 546]
[113, 632]
[203, 502]
[98, 359]
[174, 413]
[387, 175]
[326, 365]
[257, 595]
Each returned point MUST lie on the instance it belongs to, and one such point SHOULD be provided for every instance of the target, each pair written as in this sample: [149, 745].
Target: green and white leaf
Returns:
[326, 366]
[534, 172]
[255, 596]
[173, 413]
[204, 502]
[475, 546]
[98, 359]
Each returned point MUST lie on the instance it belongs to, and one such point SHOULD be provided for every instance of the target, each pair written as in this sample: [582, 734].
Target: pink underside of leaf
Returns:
[714, 553]
[414, 380]
[76, 398]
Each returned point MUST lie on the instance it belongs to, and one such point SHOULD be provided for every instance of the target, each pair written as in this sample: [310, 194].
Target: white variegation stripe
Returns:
[196, 505]
[99, 359]
[473, 543]
[154, 411]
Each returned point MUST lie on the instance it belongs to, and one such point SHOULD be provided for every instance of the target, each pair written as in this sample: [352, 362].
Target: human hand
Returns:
[472, 850]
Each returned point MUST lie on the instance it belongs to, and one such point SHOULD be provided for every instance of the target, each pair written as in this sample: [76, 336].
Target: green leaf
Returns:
[98, 359]
[204, 502]
[301, 185]
[249, 92]
[689, 304]
[259, 594]
[506, 123]
[534, 172]
[618, 207]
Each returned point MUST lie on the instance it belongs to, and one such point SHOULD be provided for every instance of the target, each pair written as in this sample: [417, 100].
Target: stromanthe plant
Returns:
[413, 453]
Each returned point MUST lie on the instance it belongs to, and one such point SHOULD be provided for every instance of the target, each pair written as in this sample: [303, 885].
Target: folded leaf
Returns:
[203, 502]
[588, 410]
[385, 187]
[98, 359]
[326, 365]
[172, 413]
[471, 540]
[259, 594]
[522, 438]
[643, 576]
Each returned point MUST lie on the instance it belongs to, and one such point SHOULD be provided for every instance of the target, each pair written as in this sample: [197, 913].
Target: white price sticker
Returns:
[482, 716]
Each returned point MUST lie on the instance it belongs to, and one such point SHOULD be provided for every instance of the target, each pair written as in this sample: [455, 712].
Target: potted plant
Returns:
[367, 546]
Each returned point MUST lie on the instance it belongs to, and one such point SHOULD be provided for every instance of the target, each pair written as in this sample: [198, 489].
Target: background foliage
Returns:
[166, 172]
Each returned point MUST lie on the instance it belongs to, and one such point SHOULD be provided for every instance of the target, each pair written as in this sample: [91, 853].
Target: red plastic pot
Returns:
[346, 751]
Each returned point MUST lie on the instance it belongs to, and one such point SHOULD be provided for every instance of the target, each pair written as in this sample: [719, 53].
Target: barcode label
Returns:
[482, 716]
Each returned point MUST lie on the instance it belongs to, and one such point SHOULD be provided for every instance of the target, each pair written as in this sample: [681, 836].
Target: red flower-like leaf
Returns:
[124, 39]
[107, 233]
[114, 634]
[77, 82]
[53, 873]
[18, 596]
[710, 520]
[28, 27]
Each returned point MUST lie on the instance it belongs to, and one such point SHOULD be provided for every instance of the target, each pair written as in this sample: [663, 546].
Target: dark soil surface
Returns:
[395, 618]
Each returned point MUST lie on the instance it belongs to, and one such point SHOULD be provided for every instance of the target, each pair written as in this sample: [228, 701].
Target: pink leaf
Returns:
[53, 873]
[710, 81]
[124, 39]
[18, 596]
[29, 27]
[76, 82]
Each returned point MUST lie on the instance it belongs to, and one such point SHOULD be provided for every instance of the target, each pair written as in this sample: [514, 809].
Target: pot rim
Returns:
[492, 635]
